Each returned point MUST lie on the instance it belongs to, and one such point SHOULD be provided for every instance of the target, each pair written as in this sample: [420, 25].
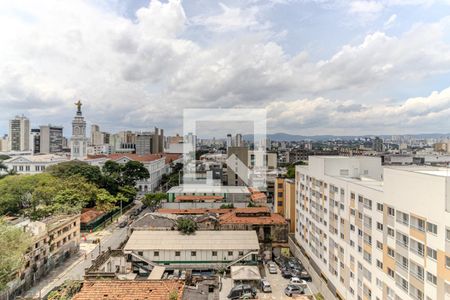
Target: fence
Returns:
[102, 220]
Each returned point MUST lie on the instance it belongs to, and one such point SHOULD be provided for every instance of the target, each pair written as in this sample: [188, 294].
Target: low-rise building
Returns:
[154, 163]
[201, 250]
[33, 164]
[229, 194]
[131, 290]
[53, 240]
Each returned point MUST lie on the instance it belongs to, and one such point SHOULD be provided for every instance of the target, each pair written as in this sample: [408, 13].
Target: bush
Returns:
[186, 225]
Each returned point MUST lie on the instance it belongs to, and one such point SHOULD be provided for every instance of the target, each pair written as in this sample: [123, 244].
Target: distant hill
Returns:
[279, 137]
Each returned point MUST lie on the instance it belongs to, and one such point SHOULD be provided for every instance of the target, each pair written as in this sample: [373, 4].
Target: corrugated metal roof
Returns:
[201, 240]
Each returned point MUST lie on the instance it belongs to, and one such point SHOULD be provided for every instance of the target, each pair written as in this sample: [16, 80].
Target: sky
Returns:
[344, 67]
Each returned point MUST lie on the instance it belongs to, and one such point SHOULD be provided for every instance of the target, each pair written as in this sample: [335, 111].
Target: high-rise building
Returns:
[78, 141]
[237, 165]
[4, 144]
[374, 232]
[150, 142]
[229, 140]
[238, 140]
[19, 134]
[35, 141]
[51, 139]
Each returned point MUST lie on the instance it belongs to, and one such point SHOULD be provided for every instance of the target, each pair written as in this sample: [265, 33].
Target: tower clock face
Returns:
[76, 130]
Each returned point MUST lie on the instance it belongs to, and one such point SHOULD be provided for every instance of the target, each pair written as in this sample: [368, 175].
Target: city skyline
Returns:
[381, 70]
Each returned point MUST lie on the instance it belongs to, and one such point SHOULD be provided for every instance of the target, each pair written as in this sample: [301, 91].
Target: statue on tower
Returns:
[78, 105]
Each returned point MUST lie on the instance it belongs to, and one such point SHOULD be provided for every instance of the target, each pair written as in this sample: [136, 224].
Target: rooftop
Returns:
[201, 211]
[259, 218]
[203, 188]
[200, 240]
[130, 290]
[41, 158]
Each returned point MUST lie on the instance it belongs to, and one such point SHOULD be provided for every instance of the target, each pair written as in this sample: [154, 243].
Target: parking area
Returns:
[277, 284]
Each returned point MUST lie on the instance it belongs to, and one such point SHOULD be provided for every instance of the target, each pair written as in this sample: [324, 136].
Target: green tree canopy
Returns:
[186, 225]
[41, 195]
[13, 245]
[71, 168]
[153, 200]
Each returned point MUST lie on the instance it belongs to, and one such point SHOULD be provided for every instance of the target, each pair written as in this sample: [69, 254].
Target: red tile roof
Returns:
[221, 211]
[129, 290]
[258, 197]
[141, 158]
[236, 217]
[170, 157]
[89, 214]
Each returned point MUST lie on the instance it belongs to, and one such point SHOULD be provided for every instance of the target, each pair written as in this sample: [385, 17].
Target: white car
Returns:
[298, 281]
[272, 268]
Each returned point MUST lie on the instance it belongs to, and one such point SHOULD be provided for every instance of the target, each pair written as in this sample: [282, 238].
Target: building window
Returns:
[241, 253]
[379, 226]
[432, 228]
[417, 223]
[417, 247]
[447, 262]
[177, 253]
[379, 245]
[379, 207]
[431, 253]
[431, 278]
[391, 272]
[447, 234]
[391, 252]
[402, 218]
[193, 253]
[214, 253]
[390, 231]
[140, 253]
[156, 253]
[379, 264]
[391, 211]
[230, 253]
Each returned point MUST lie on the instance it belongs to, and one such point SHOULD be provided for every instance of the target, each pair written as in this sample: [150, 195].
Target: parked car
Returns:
[291, 290]
[304, 275]
[123, 224]
[297, 281]
[272, 268]
[286, 273]
[242, 291]
[265, 286]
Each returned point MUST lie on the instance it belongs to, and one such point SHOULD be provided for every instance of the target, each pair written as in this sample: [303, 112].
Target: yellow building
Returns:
[285, 200]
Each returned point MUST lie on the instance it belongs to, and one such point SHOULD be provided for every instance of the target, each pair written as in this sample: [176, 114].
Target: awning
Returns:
[157, 273]
[245, 273]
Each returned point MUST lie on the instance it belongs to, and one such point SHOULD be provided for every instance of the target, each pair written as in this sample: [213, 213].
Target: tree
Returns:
[153, 200]
[71, 168]
[13, 245]
[186, 225]
[227, 205]
[133, 171]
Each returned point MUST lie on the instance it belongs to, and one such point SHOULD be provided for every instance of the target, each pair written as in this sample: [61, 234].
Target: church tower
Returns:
[78, 141]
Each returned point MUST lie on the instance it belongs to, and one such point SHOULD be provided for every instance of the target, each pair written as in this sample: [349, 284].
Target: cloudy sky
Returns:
[317, 66]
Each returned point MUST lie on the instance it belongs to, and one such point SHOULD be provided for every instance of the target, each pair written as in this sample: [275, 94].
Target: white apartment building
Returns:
[33, 164]
[154, 163]
[374, 232]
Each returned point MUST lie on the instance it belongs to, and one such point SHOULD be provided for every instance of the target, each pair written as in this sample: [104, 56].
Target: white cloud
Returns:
[232, 19]
[313, 116]
[390, 21]
[142, 72]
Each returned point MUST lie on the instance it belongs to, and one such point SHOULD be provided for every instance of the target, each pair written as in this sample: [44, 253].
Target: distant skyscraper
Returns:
[78, 141]
[96, 135]
[229, 140]
[238, 140]
[51, 139]
[35, 141]
[150, 142]
[19, 134]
